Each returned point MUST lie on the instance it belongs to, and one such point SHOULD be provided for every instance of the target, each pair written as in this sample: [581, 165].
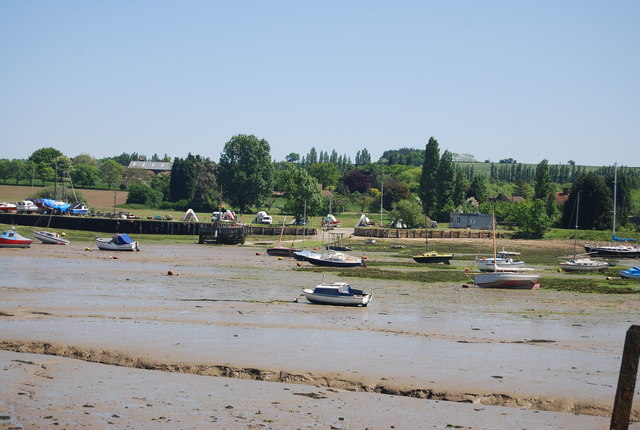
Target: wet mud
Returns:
[230, 313]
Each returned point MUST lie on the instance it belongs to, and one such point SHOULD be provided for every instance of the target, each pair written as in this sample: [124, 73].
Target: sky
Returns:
[528, 80]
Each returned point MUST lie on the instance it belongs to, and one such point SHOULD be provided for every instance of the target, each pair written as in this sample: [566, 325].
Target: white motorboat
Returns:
[337, 293]
[119, 242]
[50, 237]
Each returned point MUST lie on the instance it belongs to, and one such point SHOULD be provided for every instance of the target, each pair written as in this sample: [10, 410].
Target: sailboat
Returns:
[278, 250]
[432, 256]
[510, 278]
[582, 264]
[621, 250]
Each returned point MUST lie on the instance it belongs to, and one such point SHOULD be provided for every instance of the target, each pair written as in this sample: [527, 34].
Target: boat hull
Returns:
[583, 265]
[15, 243]
[633, 273]
[323, 299]
[433, 258]
[508, 280]
[106, 245]
[11, 239]
[280, 251]
[619, 251]
[50, 238]
[328, 261]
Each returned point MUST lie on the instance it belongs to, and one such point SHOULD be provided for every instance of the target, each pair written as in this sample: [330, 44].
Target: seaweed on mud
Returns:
[430, 276]
[582, 285]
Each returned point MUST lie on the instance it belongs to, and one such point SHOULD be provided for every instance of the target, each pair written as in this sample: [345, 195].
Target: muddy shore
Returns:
[89, 338]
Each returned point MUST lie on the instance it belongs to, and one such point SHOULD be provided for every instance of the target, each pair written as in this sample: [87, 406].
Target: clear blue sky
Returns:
[523, 79]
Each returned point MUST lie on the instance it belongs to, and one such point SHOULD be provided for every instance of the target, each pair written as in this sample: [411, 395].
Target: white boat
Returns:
[50, 237]
[337, 293]
[119, 242]
[26, 206]
[501, 261]
[510, 277]
[335, 259]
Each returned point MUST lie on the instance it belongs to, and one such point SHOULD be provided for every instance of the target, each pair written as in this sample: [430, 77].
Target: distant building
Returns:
[152, 166]
[475, 221]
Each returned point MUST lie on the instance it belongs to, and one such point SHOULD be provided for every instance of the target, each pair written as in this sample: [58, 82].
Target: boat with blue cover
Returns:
[119, 242]
[631, 273]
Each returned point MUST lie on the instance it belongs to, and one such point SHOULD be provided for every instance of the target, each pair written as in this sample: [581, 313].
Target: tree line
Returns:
[415, 185]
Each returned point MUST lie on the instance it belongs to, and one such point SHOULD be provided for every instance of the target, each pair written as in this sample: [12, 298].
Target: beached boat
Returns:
[12, 239]
[621, 247]
[433, 257]
[632, 273]
[50, 237]
[338, 293]
[279, 250]
[119, 242]
[335, 259]
[583, 263]
[509, 277]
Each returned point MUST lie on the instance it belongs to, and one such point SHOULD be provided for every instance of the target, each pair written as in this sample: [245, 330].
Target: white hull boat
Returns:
[583, 265]
[119, 242]
[338, 293]
[509, 280]
[50, 238]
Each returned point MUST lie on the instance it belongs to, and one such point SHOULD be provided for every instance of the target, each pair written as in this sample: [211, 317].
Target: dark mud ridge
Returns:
[117, 358]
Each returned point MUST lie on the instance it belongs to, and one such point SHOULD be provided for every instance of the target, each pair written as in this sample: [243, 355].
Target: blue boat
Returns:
[631, 273]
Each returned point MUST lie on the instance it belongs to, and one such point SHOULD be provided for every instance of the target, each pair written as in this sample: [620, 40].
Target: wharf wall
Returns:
[135, 226]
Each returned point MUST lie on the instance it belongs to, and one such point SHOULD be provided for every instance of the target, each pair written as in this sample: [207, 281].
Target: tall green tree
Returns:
[596, 203]
[45, 155]
[478, 189]
[531, 218]
[409, 211]
[183, 179]
[428, 190]
[444, 181]
[85, 175]
[325, 173]
[111, 172]
[246, 171]
[303, 193]
[461, 184]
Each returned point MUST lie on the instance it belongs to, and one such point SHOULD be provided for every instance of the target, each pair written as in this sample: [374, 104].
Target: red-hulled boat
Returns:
[11, 239]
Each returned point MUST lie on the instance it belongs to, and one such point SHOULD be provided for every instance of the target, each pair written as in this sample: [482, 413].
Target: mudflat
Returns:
[95, 339]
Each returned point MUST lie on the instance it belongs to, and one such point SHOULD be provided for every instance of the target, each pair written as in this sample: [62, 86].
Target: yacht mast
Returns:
[615, 192]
